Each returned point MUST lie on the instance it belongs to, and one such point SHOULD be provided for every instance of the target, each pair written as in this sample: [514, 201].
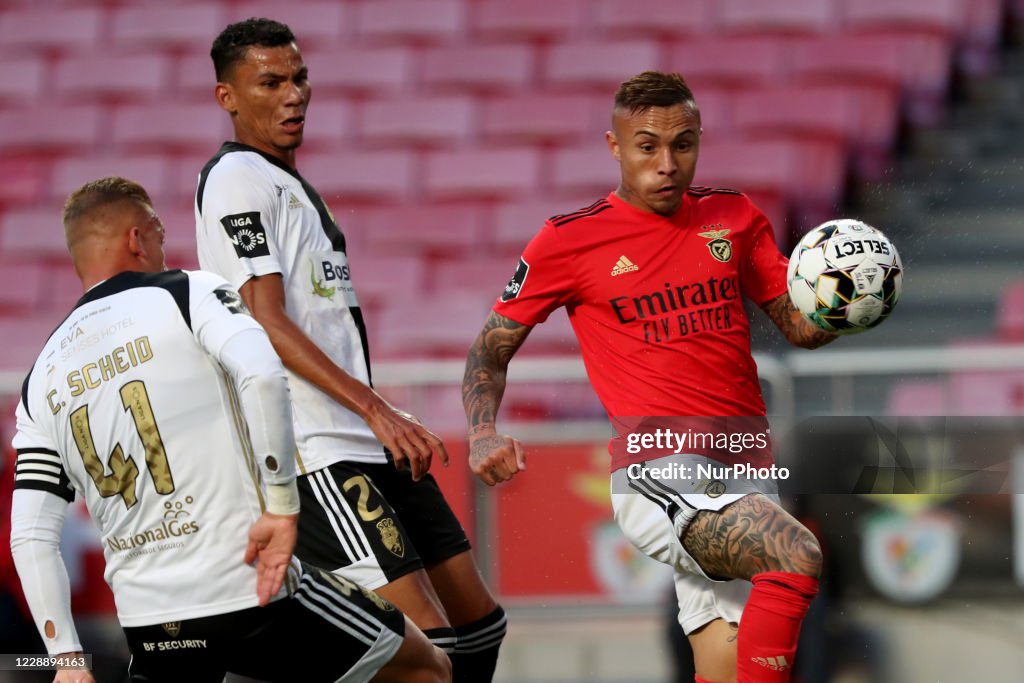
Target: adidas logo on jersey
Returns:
[294, 202]
[624, 265]
[773, 663]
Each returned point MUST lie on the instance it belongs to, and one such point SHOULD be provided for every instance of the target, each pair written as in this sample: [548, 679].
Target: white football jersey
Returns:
[255, 216]
[127, 406]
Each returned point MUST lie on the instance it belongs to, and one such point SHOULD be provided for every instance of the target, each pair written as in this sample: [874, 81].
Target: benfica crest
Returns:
[719, 247]
[391, 536]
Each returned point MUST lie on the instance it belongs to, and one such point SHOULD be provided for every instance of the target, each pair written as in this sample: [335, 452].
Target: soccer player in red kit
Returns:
[653, 278]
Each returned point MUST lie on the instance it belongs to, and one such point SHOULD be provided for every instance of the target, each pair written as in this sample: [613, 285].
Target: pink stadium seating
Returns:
[1010, 314]
[316, 22]
[60, 28]
[21, 286]
[380, 69]
[980, 35]
[602, 64]
[410, 326]
[777, 16]
[379, 279]
[169, 127]
[24, 339]
[545, 117]
[987, 393]
[733, 62]
[449, 230]
[34, 232]
[481, 273]
[669, 18]
[935, 16]
[45, 128]
[21, 79]
[817, 111]
[411, 20]
[139, 76]
[482, 67]
[152, 171]
[22, 181]
[476, 173]
[586, 168]
[514, 223]
[536, 19]
[371, 176]
[63, 290]
[183, 26]
[194, 77]
[913, 398]
[328, 124]
[438, 120]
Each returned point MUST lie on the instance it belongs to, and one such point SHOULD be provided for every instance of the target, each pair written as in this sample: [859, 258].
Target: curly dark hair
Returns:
[653, 89]
[230, 46]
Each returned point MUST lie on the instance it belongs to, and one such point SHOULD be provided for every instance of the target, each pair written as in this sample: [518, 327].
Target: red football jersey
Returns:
[656, 302]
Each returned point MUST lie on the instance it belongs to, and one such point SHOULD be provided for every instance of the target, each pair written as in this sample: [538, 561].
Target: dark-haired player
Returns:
[653, 277]
[370, 510]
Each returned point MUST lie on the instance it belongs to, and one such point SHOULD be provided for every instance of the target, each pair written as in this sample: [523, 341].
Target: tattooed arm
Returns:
[794, 327]
[493, 457]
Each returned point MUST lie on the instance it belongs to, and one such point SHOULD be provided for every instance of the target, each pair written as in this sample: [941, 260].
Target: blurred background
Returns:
[443, 132]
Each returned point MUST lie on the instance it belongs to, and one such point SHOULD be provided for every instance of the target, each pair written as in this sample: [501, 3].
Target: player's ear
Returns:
[225, 97]
[613, 144]
[135, 245]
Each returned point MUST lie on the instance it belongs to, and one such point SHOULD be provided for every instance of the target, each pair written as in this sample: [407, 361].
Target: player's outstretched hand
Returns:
[73, 675]
[495, 457]
[271, 543]
[407, 439]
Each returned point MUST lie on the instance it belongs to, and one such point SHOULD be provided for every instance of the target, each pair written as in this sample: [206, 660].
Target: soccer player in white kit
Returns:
[371, 511]
[162, 402]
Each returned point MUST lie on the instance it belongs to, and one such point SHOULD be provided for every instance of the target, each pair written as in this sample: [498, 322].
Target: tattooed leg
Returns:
[751, 536]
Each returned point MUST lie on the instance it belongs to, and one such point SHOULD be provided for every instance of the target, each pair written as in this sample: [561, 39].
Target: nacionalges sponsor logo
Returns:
[175, 526]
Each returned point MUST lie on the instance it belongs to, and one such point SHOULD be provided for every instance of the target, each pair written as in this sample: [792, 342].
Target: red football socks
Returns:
[770, 626]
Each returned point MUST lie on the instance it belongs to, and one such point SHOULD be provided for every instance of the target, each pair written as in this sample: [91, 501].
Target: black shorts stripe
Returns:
[339, 515]
[357, 620]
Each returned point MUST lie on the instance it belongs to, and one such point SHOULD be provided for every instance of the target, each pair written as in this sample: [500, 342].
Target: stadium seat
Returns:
[314, 22]
[379, 279]
[406, 20]
[600, 64]
[583, 169]
[24, 338]
[21, 79]
[918, 397]
[140, 76]
[539, 116]
[987, 393]
[376, 69]
[370, 176]
[479, 173]
[34, 232]
[45, 128]
[481, 273]
[730, 62]
[63, 290]
[194, 77]
[777, 16]
[935, 16]
[328, 124]
[530, 19]
[979, 36]
[437, 120]
[478, 67]
[1010, 313]
[411, 326]
[21, 286]
[152, 172]
[51, 28]
[449, 230]
[666, 18]
[169, 127]
[191, 26]
[514, 223]
[22, 181]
